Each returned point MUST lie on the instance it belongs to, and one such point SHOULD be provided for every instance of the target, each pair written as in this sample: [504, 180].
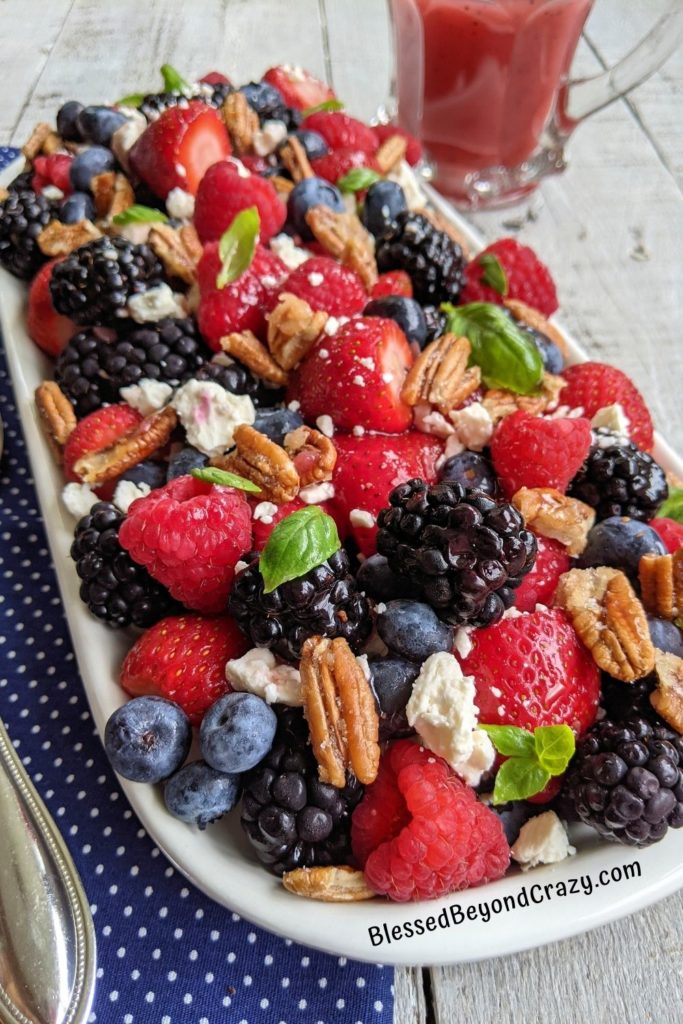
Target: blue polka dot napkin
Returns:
[166, 953]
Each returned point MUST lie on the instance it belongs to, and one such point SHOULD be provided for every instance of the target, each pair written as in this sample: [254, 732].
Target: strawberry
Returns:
[224, 192]
[324, 284]
[539, 585]
[670, 531]
[341, 131]
[533, 670]
[593, 386]
[54, 170]
[48, 328]
[99, 430]
[182, 658]
[530, 451]
[355, 376]
[299, 88]
[414, 148]
[334, 166]
[369, 467]
[393, 282]
[178, 148]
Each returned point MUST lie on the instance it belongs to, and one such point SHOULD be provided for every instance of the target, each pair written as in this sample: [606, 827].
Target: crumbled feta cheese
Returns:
[404, 176]
[429, 421]
[258, 672]
[323, 353]
[512, 613]
[452, 447]
[52, 193]
[210, 414]
[264, 512]
[241, 565]
[315, 279]
[542, 840]
[180, 204]
[270, 136]
[78, 499]
[359, 381]
[359, 517]
[125, 136]
[242, 171]
[325, 425]
[462, 641]
[127, 492]
[155, 304]
[331, 327]
[315, 493]
[612, 418]
[473, 425]
[147, 396]
[367, 361]
[442, 711]
[290, 254]
[294, 405]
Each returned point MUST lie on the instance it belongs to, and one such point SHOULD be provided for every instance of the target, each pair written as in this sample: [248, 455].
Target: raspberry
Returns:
[183, 659]
[339, 293]
[265, 264]
[414, 149]
[189, 536]
[237, 307]
[54, 169]
[341, 131]
[529, 451]
[538, 587]
[394, 282]
[421, 833]
[223, 193]
[670, 531]
[592, 386]
[335, 165]
[97, 431]
[527, 278]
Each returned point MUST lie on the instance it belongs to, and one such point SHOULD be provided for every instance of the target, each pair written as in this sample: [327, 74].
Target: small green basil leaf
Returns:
[174, 81]
[222, 477]
[672, 508]
[510, 740]
[298, 543]
[519, 778]
[134, 99]
[137, 214]
[493, 273]
[238, 245]
[358, 179]
[555, 746]
[319, 108]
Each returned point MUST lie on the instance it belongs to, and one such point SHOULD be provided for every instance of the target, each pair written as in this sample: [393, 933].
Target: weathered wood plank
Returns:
[409, 996]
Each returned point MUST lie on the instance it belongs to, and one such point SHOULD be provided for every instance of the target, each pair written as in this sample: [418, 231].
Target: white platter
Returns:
[219, 860]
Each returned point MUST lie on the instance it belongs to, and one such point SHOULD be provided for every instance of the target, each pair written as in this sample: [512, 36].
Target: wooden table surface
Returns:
[610, 227]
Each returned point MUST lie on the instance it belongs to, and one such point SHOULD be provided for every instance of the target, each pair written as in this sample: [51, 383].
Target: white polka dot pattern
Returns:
[166, 953]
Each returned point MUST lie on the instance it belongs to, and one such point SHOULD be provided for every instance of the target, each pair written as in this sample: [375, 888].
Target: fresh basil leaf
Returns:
[174, 81]
[672, 508]
[319, 108]
[506, 355]
[137, 214]
[519, 778]
[222, 477]
[298, 543]
[238, 245]
[555, 746]
[134, 99]
[358, 179]
[510, 740]
[493, 273]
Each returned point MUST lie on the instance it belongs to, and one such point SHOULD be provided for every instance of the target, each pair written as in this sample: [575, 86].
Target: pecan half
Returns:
[609, 619]
[57, 416]
[292, 329]
[241, 121]
[340, 710]
[59, 239]
[534, 318]
[661, 584]
[179, 249]
[501, 403]
[295, 159]
[263, 462]
[667, 698]
[391, 152]
[552, 514]
[246, 348]
[318, 456]
[113, 194]
[138, 444]
[41, 136]
[440, 376]
[345, 238]
[282, 185]
[341, 884]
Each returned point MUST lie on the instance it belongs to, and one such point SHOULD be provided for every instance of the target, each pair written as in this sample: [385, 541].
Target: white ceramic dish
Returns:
[219, 860]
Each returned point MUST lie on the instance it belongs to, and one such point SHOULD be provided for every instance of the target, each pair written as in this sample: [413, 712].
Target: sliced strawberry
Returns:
[414, 148]
[334, 166]
[178, 148]
[539, 585]
[99, 430]
[394, 282]
[355, 376]
[299, 88]
[48, 328]
[224, 193]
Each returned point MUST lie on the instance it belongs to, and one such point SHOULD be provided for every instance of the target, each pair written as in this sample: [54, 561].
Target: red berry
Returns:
[539, 585]
[341, 131]
[324, 284]
[215, 78]
[355, 376]
[421, 833]
[414, 149]
[530, 451]
[177, 149]
[183, 658]
[189, 535]
[96, 431]
[255, 164]
[394, 282]
[334, 166]
[593, 386]
[237, 306]
[54, 170]
[670, 531]
[533, 670]
[299, 88]
[264, 265]
[263, 530]
[528, 279]
[223, 193]
[48, 328]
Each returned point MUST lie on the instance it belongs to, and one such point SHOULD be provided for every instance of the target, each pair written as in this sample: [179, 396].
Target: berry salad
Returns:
[403, 590]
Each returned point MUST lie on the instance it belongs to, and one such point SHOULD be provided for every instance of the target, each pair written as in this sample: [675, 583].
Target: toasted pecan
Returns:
[667, 697]
[57, 416]
[609, 619]
[35, 143]
[283, 186]
[59, 239]
[345, 238]
[440, 377]
[293, 327]
[265, 463]
[661, 584]
[241, 121]
[552, 514]
[113, 194]
[340, 710]
[341, 884]
[295, 159]
[500, 403]
[138, 444]
[321, 454]
[391, 152]
[179, 249]
[246, 348]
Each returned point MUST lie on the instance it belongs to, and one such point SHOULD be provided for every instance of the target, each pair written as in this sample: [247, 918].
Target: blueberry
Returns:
[262, 97]
[198, 794]
[620, 542]
[413, 630]
[86, 165]
[666, 636]
[392, 681]
[147, 739]
[275, 423]
[311, 192]
[378, 581]
[406, 312]
[383, 202]
[237, 732]
[98, 124]
[77, 206]
[512, 816]
[184, 461]
[147, 472]
[553, 360]
[67, 120]
[472, 470]
[313, 143]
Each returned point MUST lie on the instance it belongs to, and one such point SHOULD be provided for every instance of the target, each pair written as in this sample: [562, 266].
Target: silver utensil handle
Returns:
[47, 939]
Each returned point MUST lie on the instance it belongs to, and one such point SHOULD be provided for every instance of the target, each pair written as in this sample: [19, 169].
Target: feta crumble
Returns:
[315, 493]
[271, 134]
[155, 304]
[148, 396]
[542, 840]
[258, 672]
[210, 414]
[325, 425]
[290, 254]
[264, 512]
[180, 204]
[359, 517]
[78, 499]
[315, 279]
[612, 418]
[127, 492]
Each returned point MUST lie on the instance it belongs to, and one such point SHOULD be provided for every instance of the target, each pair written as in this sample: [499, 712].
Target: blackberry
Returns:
[23, 215]
[434, 262]
[98, 362]
[115, 588]
[291, 818]
[436, 322]
[155, 103]
[625, 781]
[618, 479]
[325, 602]
[239, 380]
[94, 283]
[622, 701]
[463, 552]
[22, 182]
[269, 104]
